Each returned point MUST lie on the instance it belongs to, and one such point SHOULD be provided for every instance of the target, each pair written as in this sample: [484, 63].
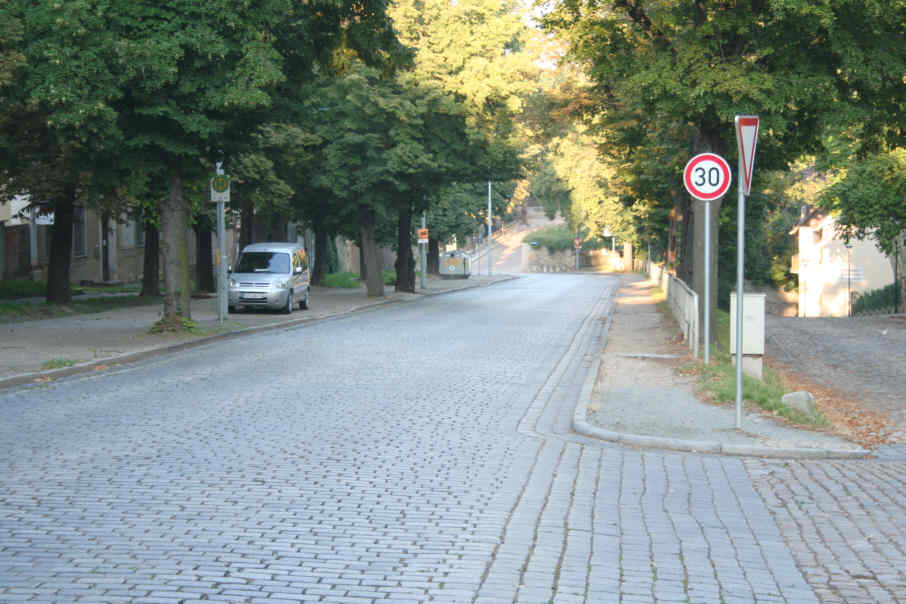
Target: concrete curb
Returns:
[581, 426]
[41, 377]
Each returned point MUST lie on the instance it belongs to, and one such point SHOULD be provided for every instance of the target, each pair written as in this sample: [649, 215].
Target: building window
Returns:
[127, 235]
[78, 231]
[132, 233]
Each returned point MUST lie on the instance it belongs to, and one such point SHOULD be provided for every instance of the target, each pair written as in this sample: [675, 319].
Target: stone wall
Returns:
[540, 260]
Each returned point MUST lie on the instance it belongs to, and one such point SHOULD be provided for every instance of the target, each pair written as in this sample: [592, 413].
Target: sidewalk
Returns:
[639, 399]
[95, 341]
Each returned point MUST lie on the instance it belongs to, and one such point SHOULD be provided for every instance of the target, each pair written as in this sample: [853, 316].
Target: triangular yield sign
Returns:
[747, 140]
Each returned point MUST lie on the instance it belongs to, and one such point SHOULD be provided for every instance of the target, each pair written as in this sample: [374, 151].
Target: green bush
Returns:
[559, 238]
[343, 280]
[22, 288]
[352, 280]
[876, 300]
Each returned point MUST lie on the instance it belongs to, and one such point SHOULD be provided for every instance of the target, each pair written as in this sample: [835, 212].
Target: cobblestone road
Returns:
[411, 454]
[863, 357]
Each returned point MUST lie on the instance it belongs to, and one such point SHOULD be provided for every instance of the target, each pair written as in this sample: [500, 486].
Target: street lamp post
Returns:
[849, 279]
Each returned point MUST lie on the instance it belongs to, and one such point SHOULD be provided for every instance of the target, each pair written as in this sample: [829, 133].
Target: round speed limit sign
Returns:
[707, 176]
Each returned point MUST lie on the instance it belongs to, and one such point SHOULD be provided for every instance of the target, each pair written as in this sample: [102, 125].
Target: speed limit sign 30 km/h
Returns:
[707, 176]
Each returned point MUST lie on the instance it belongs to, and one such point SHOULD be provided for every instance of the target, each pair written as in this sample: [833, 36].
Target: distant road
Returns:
[507, 254]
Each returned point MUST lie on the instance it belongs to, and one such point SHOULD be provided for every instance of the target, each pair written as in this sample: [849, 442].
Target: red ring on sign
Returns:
[724, 168]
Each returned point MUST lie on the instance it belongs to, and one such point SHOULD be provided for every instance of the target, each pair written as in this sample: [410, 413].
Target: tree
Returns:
[387, 142]
[476, 50]
[60, 139]
[870, 199]
[669, 79]
[200, 78]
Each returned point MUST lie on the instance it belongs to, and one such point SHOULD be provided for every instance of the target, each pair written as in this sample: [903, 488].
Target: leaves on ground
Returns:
[845, 414]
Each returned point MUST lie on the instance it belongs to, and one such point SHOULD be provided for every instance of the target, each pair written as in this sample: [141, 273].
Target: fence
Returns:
[683, 303]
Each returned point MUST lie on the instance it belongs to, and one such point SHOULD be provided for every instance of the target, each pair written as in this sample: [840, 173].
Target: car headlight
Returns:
[233, 283]
[280, 284]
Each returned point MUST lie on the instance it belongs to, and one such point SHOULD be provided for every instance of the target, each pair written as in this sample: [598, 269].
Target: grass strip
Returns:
[717, 382]
[30, 311]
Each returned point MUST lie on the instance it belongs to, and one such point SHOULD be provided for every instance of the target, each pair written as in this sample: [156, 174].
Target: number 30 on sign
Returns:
[707, 176]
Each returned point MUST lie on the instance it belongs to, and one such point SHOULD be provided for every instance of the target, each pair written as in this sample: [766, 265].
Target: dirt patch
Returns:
[847, 416]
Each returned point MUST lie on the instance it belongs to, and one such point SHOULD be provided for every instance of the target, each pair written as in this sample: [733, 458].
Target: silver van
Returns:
[270, 275]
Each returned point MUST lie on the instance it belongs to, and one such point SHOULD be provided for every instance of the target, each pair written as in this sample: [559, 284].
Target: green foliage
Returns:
[386, 143]
[870, 198]
[667, 80]
[182, 325]
[26, 311]
[718, 380]
[475, 50]
[57, 364]
[333, 256]
[560, 237]
[353, 280]
[768, 248]
[342, 280]
[885, 299]
[21, 288]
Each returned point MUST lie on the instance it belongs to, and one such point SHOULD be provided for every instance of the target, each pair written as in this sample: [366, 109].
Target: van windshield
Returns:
[263, 262]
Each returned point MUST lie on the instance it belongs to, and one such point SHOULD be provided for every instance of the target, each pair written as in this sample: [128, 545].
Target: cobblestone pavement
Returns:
[863, 357]
[415, 453]
[844, 523]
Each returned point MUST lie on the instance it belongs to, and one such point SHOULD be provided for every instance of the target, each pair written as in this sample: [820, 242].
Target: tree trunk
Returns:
[698, 275]
[151, 264]
[105, 247]
[59, 289]
[247, 224]
[363, 269]
[371, 264]
[405, 264]
[174, 218]
[319, 269]
[684, 268]
[676, 217]
[433, 264]
[706, 141]
[628, 260]
[204, 259]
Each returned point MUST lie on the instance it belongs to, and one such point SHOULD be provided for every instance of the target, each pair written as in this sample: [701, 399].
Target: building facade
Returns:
[831, 272]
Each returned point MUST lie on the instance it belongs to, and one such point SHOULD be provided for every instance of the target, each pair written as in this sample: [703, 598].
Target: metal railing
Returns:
[682, 301]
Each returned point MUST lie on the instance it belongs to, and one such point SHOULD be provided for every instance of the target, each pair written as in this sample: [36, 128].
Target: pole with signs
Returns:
[707, 177]
[746, 141]
[423, 247]
[490, 228]
[220, 193]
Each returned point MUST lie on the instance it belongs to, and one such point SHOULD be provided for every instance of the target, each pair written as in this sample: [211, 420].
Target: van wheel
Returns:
[288, 309]
[303, 303]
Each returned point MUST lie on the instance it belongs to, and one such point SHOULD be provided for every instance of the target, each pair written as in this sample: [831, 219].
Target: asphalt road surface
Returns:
[419, 452]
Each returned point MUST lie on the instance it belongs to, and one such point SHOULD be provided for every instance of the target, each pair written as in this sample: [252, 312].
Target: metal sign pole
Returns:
[490, 229]
[740, 268]
[747, 142]
[707, 299]
[222, 272]
[423, 253]
[220, 193]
